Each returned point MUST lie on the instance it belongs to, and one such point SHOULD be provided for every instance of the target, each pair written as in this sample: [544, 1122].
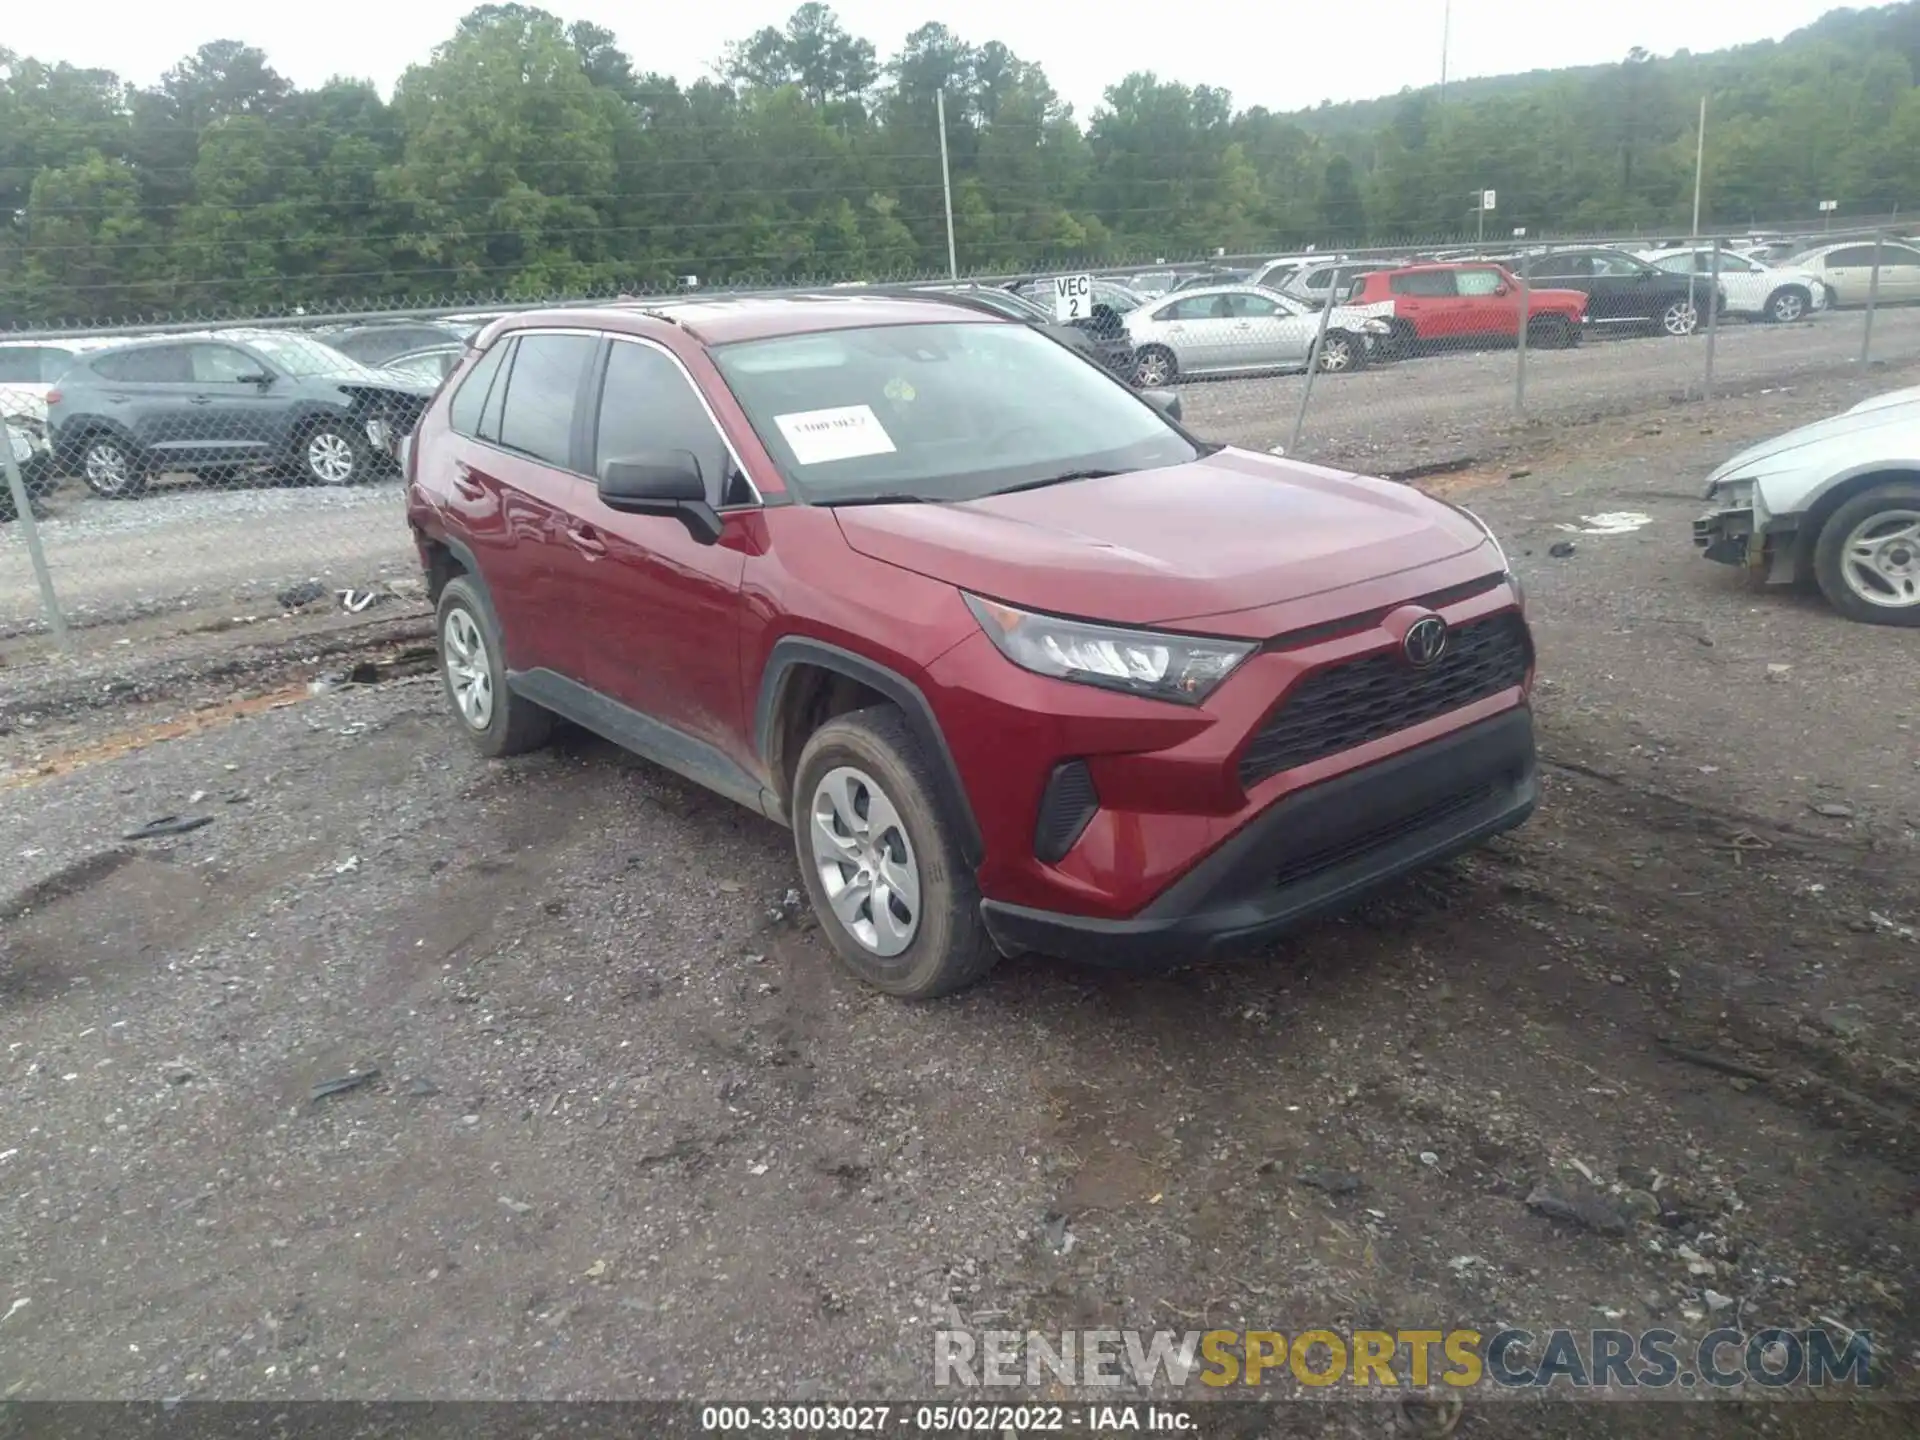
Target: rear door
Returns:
[518, 463]
[149, 393]
[1199, 328]
[1425, 300]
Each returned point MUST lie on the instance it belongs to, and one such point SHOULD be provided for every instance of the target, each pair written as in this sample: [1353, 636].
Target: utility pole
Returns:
[1446, 36]
[946, 182]
[1699, 165]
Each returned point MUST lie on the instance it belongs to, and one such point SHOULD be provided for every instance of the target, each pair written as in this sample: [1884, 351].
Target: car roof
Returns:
[79, 342]
[754, 317]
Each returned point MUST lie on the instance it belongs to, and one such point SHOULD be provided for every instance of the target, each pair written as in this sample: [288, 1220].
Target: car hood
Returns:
[1892, 397]
[1232, 531]
[1882, 431]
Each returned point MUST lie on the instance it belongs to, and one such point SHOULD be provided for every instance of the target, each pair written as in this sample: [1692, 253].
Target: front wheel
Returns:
[1154, 367]
[1787, 305]
[1867, 559]
[1341, 352]
[880, 861]
[332, 454]
[1680, 319]
[1552, 332]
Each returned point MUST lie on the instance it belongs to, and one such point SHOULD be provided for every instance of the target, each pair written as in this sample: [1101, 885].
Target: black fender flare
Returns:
[796, 650]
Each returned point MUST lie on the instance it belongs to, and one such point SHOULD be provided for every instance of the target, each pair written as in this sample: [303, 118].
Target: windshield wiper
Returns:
[836, 502]
[1060, 479]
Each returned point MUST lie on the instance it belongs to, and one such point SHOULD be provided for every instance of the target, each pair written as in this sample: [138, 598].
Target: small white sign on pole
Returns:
[1486, 199]
[1829, 205]
[1072, 298]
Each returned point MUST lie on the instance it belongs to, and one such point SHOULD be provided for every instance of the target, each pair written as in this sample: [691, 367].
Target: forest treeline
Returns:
[528, 156]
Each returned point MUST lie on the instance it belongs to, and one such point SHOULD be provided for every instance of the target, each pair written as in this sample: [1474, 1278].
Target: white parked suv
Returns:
[1752, 288]
[28, 370]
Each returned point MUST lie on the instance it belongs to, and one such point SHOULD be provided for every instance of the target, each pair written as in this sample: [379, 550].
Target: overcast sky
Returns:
[1282, 56]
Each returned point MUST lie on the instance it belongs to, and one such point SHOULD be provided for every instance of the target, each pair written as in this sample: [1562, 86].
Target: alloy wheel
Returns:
[1153, 370]
[107, 467]
[1788, 307]
[1880, 560]
[1682, 318]
[1336, 355]
[469, 670]
[330, 458]
[865, 860]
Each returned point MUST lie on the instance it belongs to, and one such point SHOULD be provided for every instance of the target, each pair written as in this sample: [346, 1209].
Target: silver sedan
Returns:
[1238, 329]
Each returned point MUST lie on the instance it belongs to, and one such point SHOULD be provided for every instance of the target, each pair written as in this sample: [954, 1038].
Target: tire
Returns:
[113, 468]
[1402, 341]
[919, 946]
[1833, 297]
[473, 675]
[1551, 332]
[1788, 304]
[1679, 319]
[1154, 367]
[1867, 558]
[332, 453]
[1342, 353]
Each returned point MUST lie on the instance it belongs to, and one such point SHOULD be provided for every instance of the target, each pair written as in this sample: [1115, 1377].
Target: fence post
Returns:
[1313, 362]
[30, 532]
[1873, 300]
[1713, 317]
[1520, 341]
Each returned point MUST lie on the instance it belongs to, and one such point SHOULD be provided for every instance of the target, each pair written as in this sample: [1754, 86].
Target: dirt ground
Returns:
[632, 1135]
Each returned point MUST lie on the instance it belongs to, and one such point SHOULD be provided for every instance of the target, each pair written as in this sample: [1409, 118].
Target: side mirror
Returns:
[668, 482]
[1501, 288]
[1165, 401]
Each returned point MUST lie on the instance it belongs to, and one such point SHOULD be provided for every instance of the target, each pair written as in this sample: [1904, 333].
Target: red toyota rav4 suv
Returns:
[1024, 665]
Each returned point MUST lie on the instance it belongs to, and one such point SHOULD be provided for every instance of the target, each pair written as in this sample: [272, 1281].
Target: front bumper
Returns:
[1725, 536]
[1316, 850]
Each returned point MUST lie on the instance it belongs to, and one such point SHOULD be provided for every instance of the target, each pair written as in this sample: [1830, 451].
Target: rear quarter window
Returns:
[463, 414]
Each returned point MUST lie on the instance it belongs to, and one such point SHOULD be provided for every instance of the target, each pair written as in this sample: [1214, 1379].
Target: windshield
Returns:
[939, 412]
[300, 356]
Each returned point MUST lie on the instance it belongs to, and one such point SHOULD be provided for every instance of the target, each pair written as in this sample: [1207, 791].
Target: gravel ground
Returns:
[189, 552]
[632, 1134]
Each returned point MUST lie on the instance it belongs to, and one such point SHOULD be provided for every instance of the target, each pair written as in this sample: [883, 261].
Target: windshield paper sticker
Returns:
[846, 433]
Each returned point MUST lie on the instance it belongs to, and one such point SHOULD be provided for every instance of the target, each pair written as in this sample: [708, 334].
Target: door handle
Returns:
[201, 400]
[586, 540]
[465, 482]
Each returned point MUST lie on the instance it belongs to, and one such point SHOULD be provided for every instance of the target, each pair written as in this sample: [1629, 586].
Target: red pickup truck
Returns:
[1453, 304]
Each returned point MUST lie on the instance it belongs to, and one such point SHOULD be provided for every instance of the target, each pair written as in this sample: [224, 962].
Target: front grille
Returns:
[1347, 705]
[1302, 866]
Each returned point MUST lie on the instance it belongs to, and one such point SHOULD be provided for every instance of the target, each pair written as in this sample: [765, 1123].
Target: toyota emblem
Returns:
[1426, 641]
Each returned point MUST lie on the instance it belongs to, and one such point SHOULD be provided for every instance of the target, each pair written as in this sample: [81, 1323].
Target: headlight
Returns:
[1377, 327]
[1506, 566]
[1182, 668]
[1733, 494]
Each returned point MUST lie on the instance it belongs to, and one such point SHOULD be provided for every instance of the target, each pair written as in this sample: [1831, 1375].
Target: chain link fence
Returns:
[224, 470]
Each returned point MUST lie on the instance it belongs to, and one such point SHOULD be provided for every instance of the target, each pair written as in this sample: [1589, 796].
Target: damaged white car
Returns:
[1836, 502]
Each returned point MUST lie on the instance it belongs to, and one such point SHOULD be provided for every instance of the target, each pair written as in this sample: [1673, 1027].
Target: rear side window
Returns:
[1861, 255]
[1423, 282]
[537, 418]
[1194, 307]
[157, 364]
[464, 413]
[1478, 282]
